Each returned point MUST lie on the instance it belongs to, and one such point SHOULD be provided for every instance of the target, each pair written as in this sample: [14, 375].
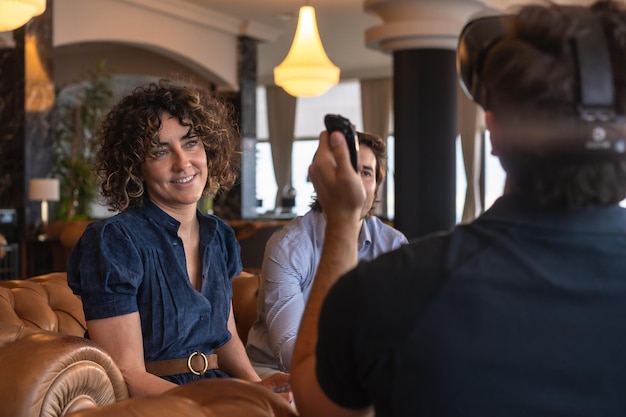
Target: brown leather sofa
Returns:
[207, 398]
[49, 369]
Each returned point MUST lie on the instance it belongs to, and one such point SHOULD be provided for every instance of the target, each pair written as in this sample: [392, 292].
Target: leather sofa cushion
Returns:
[45, 302]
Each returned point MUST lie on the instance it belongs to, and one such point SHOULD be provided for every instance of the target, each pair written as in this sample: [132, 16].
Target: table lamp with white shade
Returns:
[44, 190]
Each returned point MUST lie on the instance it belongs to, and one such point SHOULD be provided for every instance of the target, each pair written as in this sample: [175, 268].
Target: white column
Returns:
[414, 24]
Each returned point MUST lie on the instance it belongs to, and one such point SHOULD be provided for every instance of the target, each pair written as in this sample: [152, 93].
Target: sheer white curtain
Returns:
[376, 96]
[281, 115]
[471, 118]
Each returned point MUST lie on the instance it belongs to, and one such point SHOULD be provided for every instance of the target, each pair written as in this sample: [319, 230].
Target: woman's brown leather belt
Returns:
[197, 363]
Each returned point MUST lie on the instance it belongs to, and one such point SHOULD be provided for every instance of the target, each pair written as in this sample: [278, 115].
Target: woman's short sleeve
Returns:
[105, 270]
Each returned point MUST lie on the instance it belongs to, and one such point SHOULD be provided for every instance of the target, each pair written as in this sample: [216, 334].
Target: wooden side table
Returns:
[41, 256]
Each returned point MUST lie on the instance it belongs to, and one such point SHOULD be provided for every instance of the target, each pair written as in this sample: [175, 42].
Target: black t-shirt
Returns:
[521, 313]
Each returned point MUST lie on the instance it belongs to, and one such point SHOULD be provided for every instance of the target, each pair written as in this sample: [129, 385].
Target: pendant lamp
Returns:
[15, 13]
[306, 71]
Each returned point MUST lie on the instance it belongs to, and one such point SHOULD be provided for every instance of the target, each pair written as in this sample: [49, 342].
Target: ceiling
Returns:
[341, 23]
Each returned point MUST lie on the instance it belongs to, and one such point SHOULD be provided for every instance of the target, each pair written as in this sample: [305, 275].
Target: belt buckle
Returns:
[206, 363]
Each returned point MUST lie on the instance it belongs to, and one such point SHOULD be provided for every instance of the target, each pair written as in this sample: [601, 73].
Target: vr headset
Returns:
[598, 132]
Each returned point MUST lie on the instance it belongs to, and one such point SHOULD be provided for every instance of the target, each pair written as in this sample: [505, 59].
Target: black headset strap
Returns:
[597, 98]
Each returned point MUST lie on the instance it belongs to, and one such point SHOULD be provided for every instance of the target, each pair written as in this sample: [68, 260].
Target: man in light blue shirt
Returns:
[290, 263]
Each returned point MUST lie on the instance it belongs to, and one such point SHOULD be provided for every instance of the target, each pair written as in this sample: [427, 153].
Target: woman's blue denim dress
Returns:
[134, 261]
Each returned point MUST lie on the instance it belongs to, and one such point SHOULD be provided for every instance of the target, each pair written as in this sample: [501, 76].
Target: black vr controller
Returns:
[598, 132]
[336, 122]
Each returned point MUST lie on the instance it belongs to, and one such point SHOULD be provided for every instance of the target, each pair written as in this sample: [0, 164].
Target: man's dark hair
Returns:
[532, 79]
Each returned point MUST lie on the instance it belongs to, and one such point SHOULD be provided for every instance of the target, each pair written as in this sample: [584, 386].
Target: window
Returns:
[494, 175]
[344, 99]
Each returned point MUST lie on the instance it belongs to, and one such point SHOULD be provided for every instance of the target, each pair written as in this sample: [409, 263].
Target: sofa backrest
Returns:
[245, 295]
[45, 302]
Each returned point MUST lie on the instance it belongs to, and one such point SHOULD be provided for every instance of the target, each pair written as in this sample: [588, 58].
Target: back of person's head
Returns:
[531, 83]
[131, 128]
[379, 148]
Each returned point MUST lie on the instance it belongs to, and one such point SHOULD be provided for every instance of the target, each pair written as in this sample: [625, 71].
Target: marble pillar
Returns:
[240, 201]
[422, 36]
[247, 87]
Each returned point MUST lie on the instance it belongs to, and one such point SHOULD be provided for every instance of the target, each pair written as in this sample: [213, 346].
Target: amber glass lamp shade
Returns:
[15, 13]
[306, 71]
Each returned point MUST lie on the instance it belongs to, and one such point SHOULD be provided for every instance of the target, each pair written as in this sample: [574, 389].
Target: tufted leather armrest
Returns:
[48, 367]
[209, 398]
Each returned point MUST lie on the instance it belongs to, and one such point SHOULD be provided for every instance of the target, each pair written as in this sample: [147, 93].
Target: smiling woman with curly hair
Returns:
[131, 129]
[156, 279]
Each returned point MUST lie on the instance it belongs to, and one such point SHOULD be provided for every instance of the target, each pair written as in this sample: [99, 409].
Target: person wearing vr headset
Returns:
[520, 312]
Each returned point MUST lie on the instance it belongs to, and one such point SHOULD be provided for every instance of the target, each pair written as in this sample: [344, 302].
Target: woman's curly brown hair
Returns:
[131, 128]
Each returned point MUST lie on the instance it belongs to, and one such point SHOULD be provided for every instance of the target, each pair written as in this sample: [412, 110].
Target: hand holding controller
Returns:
[336, 122]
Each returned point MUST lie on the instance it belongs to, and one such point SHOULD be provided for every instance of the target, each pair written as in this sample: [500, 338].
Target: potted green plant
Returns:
[78, 114]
